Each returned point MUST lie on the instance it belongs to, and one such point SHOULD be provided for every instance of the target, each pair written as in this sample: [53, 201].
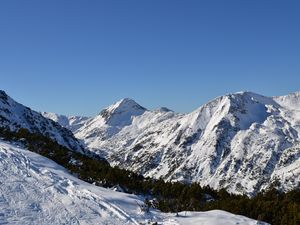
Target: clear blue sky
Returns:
[76, 57]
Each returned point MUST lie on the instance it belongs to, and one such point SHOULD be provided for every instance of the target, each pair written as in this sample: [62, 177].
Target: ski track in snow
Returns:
[35, 190]
[33, 193]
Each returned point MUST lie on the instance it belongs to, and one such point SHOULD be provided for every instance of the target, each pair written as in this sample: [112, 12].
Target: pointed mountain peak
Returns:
[127, 100]
[126, 103]
[121, 112]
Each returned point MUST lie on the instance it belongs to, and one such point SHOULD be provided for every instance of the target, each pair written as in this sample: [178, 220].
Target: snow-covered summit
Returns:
[112, 119]
[120, 113]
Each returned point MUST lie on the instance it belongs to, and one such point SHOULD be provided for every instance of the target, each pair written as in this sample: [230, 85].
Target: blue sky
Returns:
[76, 57]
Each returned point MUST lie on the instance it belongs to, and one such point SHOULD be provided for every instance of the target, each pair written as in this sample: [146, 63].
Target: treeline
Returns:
[271, 206]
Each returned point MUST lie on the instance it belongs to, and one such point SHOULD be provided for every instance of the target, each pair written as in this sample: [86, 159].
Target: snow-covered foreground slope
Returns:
[35, 190]
[14, 116]
[242, 142]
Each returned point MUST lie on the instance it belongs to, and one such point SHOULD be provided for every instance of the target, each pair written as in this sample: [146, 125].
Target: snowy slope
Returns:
[242, 142]
[15, 116]
[35, 190]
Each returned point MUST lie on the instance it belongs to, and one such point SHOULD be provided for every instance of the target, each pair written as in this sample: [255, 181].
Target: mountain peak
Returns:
[121, 112]
[127, 103]
[127, 100]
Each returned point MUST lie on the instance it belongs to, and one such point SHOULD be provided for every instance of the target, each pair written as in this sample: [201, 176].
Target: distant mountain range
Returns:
[243, 142]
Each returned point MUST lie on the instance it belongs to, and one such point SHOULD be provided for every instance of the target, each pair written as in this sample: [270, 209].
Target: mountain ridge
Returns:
[15, 116]
[237, 141]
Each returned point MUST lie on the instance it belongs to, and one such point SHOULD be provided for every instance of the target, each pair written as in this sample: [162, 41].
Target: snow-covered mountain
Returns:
[72, 123]
[35, 190]
[243, 142]
[15, 116]
[112, 120]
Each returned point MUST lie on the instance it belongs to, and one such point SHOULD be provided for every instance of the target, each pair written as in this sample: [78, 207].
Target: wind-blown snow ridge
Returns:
[14, 116]
[35, 190]
[242, 142]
